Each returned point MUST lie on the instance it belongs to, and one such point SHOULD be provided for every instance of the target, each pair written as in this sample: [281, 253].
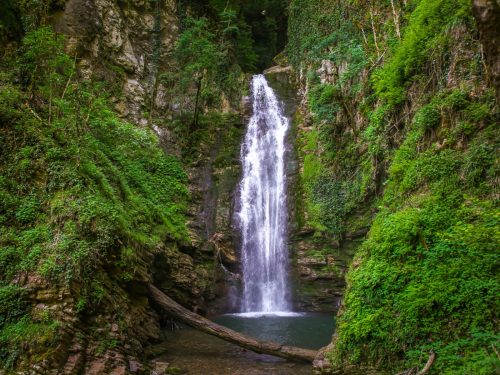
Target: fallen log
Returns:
[198, 322]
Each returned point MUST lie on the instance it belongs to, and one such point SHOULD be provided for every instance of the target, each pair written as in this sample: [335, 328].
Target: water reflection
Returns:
[307, 330]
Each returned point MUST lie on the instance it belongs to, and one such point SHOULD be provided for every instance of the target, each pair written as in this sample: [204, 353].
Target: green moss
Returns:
[425, 31]
[323, 103]
[427, 117]
[80, 188]
[22, 333]
[424, 280]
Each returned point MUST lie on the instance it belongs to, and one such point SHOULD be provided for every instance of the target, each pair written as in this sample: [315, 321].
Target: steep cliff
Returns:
[103, 189]
[120, 131]
[398, 136]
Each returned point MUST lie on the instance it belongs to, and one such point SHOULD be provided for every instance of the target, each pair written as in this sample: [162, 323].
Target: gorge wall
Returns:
[396, 137]
[105, 211]
[120, 157]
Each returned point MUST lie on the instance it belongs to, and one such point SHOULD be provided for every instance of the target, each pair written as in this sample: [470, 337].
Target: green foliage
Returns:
[427, 117]
[253, 32]
[425, 280]
[323, 101]
[267, 20]
[426, 277]
[196, 50]
[426, 26]
[237, 40]
[313, 26]
[219, 42]
[323, 38]
[333, 200]
[9, 21]
[23, 333]
[12, 304]
[209, 66]
[329, 198]
[34, 13]
[42, 57]
[77, 186]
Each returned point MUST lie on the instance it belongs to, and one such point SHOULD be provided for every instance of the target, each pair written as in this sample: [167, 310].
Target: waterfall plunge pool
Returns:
[306, 330]
[198, 353]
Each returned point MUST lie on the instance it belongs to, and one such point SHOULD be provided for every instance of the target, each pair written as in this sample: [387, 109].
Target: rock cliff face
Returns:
[487, 14]
[384, 143]
[125, 44]
[131, 45]
[214, 176]
[318, 262]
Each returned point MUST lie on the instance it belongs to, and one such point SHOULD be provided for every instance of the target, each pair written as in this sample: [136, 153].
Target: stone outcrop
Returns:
[319, 263]
[124, 44]
[111, 337]
[320, 266]
[214, 176]
[487, 14]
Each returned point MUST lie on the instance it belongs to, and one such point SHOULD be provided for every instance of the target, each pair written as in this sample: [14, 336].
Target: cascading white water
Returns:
[263, 211]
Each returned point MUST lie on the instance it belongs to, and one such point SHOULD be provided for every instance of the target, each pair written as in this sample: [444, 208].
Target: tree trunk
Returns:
[374, 34]
[207, 326]
[396, 19]
[197, 103]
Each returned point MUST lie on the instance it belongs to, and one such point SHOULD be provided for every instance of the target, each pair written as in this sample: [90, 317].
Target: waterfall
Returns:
[263, 211]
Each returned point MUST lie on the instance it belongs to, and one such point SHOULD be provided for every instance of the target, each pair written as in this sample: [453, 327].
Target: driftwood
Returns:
[198, 322]
[425, 370]
[430, 361]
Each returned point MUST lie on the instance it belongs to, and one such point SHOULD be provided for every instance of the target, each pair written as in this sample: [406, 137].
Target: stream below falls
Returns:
[197, 353]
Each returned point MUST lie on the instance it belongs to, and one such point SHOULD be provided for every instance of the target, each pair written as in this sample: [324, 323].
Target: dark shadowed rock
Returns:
[487, 14]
